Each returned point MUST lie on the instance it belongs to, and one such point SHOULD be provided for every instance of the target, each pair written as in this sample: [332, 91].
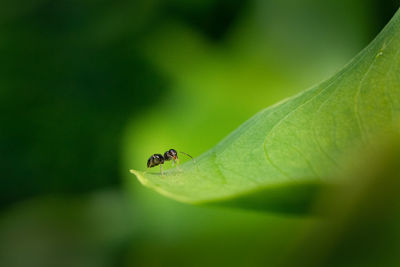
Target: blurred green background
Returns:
[90, 89]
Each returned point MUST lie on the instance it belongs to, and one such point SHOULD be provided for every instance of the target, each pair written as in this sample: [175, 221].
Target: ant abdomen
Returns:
[154, 160]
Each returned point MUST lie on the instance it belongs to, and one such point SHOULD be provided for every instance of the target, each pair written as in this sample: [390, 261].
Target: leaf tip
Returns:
[139, 176]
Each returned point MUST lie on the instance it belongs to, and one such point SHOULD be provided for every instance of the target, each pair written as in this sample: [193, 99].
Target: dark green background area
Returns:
[71, 76]
[75, 75]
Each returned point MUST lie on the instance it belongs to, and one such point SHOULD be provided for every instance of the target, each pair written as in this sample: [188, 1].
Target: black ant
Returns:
[158, 159]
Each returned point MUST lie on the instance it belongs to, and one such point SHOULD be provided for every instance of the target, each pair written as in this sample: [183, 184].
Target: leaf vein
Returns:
[323, 103]
[359, 89]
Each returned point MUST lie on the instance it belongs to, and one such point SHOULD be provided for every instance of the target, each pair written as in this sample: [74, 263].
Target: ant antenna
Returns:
[188, 156]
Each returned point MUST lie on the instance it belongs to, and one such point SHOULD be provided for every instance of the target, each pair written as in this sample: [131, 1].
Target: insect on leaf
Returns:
[279, 158]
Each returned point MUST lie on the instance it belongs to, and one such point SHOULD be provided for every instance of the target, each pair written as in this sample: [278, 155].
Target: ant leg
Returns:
[161, 170]
[177, 163]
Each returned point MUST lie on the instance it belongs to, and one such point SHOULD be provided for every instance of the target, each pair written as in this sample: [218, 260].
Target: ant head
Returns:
[171, 154]
[154, 160]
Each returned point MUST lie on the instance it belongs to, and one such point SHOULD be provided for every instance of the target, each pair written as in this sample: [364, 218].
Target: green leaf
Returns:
[279, 159]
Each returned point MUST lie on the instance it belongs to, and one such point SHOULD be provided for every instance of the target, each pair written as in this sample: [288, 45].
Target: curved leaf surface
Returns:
[279, 158]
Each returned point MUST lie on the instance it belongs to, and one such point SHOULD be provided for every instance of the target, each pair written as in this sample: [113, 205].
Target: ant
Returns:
[158, 159]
